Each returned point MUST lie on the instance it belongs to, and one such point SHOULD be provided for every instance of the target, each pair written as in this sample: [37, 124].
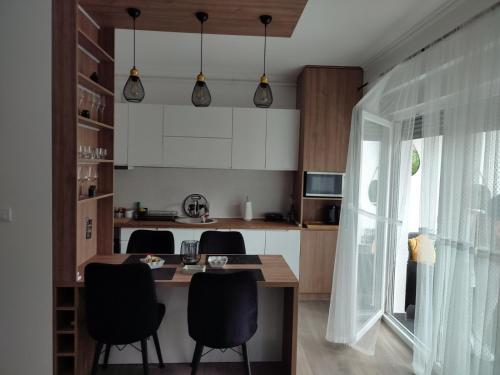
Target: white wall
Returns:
[163, 188]
[166, 188]
[435, 26]
[25, 186]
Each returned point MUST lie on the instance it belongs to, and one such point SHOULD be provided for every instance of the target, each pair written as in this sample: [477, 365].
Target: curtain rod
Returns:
[438, 40]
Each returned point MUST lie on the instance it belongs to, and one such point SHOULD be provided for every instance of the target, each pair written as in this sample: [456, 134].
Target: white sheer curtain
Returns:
[449, 96]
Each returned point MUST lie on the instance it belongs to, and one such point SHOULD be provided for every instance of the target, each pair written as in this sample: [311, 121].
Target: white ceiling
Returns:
[329, 32]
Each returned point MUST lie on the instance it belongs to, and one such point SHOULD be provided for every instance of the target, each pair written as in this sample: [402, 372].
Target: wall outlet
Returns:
[6, 215]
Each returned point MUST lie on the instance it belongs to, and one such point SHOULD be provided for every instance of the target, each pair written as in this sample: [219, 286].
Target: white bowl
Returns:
[153, 264]
[217, 261]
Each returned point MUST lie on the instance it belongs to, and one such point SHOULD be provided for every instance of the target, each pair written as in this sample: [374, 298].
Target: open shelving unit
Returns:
[82, 225]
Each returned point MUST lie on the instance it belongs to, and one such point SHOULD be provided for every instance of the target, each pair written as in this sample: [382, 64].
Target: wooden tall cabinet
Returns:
[82, 120]
[326, 96]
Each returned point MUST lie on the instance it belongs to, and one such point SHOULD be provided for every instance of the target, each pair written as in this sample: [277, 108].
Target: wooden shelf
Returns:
[322, 198]
[64, 354]
[94, 161]
[99, 125]
[93, 86]
[65, 308]
[97, 197]
[95, 49]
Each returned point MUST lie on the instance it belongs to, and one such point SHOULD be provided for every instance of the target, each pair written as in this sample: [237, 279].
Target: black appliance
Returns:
[332, 214]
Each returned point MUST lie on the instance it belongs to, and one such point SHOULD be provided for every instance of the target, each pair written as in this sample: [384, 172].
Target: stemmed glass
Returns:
[81, 100]
[100, 108]
[80, 179]
[94, 100]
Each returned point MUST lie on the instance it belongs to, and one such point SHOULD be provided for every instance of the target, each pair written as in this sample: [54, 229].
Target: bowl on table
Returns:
[217, 261]
[153, 261]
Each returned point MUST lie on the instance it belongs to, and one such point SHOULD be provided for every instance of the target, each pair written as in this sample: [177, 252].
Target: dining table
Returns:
[273, 345]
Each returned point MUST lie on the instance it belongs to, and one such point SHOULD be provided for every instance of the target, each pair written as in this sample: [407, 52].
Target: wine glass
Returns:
[189, 252]
[100, 108]
[80, 179]
[94, 105]
[81, 100]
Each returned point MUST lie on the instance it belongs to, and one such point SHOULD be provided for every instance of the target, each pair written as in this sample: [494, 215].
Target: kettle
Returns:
[332, 214]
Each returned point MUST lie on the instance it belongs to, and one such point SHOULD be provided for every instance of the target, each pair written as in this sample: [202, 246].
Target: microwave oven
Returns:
[323, 184]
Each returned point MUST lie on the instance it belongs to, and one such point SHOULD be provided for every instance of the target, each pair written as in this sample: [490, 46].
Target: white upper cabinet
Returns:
[189, 121]
[186, 152]
[282, 140]
[145, 135]
[121, 134]
[249, 138]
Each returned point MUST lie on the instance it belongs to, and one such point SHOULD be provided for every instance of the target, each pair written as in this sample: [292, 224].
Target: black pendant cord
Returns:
[134, 42]
[265, 47]
[201, 49]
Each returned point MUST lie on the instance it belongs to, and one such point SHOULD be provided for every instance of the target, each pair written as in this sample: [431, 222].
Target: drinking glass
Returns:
[81, 100]
[94, 105]
[100, 108]
[80, 152]
[189, 252]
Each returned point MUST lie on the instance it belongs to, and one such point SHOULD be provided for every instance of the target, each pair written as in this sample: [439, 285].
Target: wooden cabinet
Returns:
[317, 258]
[145, 144]
[189, 121]
[282, 139]
[287, 244]
[326, 97]
[121, 134]
[249, 138]
[186, 152]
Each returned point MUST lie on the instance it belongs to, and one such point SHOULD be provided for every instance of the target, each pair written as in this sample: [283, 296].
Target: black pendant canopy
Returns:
[201, 95]
[133, 91]
[263, 97]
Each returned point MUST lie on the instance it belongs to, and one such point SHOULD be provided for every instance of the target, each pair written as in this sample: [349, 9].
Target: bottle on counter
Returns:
[247, 211]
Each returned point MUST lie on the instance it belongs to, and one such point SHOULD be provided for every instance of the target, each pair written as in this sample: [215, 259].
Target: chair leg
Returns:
[144, 350]
[106, 356]
[198, 351]
[97, 354]
[158, 349]
[245, 357]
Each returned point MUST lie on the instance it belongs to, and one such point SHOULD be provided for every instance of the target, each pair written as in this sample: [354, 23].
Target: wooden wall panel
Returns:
[317, 259]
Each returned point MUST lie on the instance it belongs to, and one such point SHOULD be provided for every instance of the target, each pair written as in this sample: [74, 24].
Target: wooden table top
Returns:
[277, 273]
[220, 224]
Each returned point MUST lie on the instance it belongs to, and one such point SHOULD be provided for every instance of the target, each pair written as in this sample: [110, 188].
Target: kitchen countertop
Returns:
[220, 224]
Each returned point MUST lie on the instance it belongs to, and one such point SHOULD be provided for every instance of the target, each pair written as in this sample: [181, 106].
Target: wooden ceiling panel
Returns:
[232, 17]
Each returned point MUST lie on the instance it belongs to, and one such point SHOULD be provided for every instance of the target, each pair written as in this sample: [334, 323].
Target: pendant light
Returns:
[201, 95]
[133, 91]
[263, 97]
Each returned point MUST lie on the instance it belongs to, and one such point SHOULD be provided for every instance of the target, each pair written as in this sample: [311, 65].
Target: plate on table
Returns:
[217, 261]
[191, 269]
[153, 261]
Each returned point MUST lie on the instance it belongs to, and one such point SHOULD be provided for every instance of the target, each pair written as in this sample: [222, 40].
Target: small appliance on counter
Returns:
[273, 216]
[155, 215]
[247, 211]
[332, 214]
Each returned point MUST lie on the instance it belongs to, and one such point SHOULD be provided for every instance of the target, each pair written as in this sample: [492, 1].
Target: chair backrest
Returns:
[151, 242]
[120, 302]
[222, 308]
[216, 242]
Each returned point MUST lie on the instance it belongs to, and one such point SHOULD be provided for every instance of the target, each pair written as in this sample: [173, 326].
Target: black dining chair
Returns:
[217, 242]
[121, 308]
[222, 312]
[144, 241]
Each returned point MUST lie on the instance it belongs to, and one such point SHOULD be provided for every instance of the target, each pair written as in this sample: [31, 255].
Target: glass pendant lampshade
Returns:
[263, 97]
[201, 95]
[133, 91]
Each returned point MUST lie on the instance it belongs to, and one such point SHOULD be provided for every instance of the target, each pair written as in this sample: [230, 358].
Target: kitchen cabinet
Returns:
[282, 139]
[121, 134]
[255, 241]
[145, 143]
[317, 259]
[287, 244]
[189, 121]
[188, 152]
[326, 97]
[249, 138]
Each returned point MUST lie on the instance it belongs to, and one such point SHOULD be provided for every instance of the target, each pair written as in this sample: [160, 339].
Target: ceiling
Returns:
[329, 32]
